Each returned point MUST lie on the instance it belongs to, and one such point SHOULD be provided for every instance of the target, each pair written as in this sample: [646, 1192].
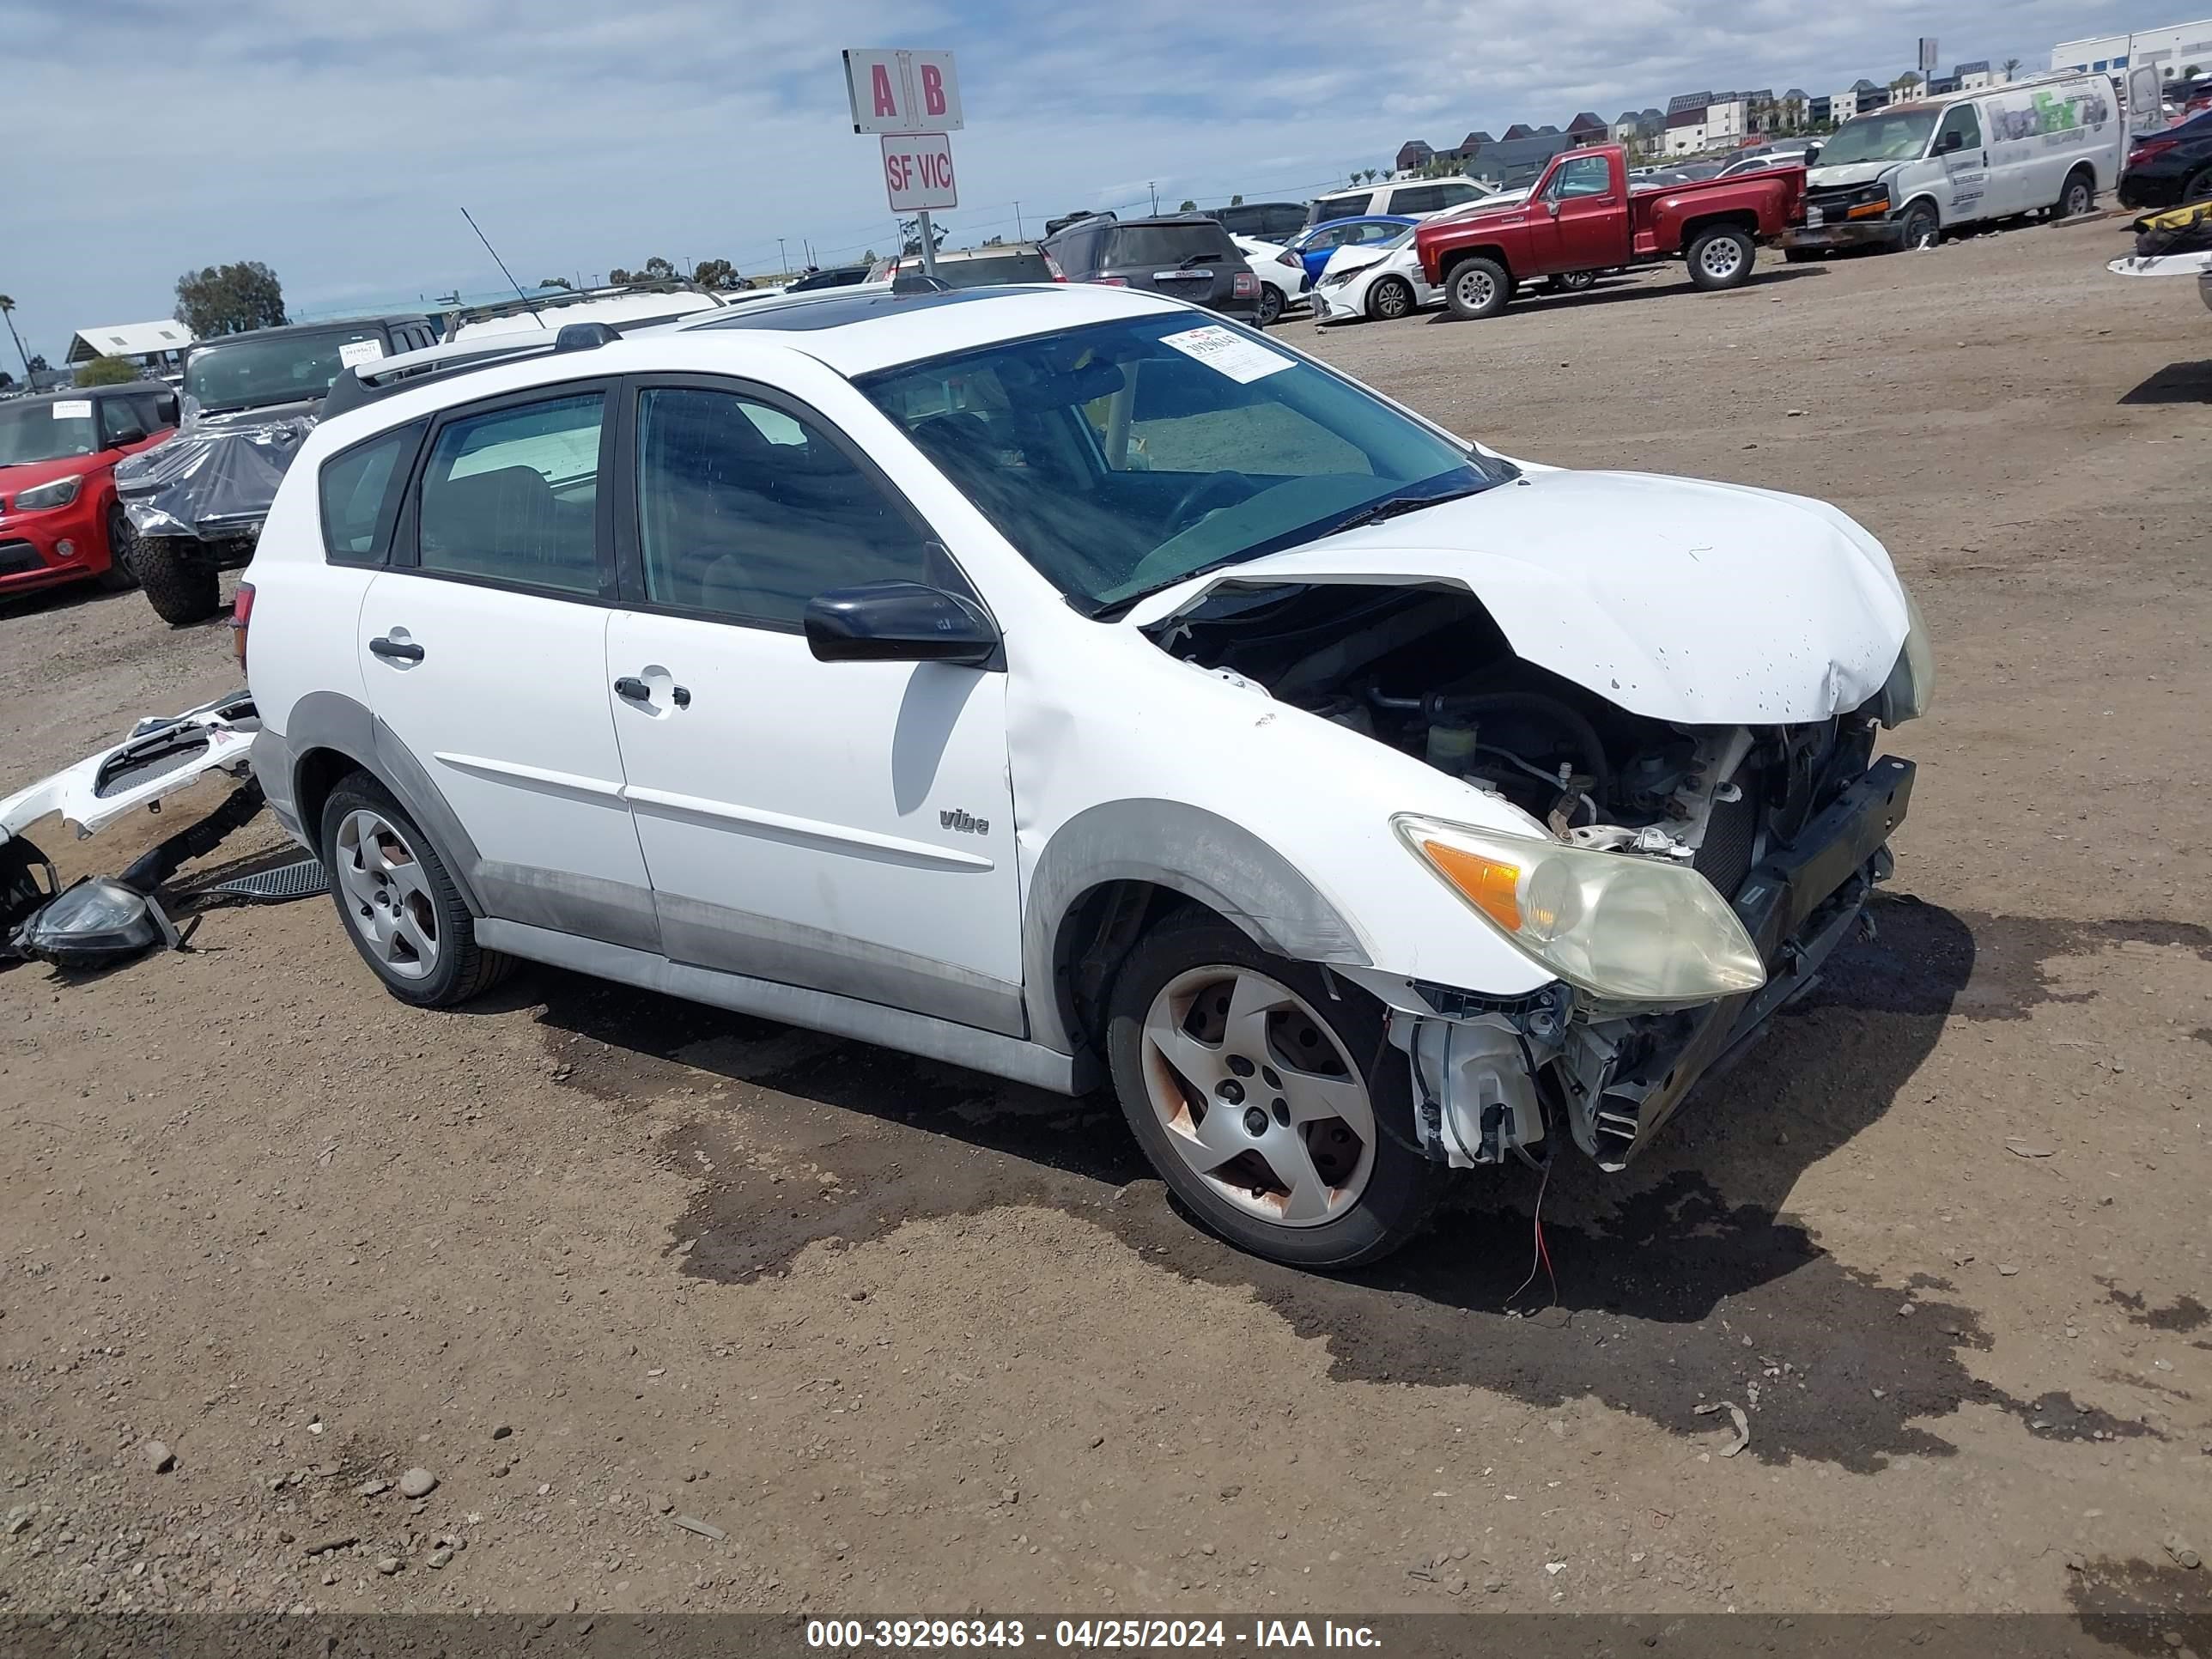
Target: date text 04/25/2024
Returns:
[1085, 1634]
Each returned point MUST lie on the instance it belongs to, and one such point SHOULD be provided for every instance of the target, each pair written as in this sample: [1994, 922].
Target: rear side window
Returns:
[512, 495]
[1417, 198]
[361, 490]
[1171, 244]
[1339, 207]
[1077, 251]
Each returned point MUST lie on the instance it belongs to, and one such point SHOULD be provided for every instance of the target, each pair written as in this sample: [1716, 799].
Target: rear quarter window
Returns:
[1339, 207]
[360, 489]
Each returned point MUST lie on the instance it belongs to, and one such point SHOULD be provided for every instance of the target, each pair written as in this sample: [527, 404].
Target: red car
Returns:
[1585, 213]
[59, 519]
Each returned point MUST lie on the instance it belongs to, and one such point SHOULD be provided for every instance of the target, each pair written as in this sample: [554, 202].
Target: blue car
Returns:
[1314, 246]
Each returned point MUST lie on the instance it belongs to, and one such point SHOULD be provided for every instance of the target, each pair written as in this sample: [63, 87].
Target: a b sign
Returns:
[918, 172]
[902, 91]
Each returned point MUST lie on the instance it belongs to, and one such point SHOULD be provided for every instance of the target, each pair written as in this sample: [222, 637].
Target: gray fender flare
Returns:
[1190, 851]
[329, 720]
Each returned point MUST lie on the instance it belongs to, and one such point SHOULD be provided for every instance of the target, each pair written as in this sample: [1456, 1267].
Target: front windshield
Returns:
[1884, 136]
[253, 372]
[1124, 457]
[45, 432]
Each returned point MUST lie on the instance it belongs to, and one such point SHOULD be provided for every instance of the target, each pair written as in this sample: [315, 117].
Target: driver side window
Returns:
[1961, 130]
[1582, 176]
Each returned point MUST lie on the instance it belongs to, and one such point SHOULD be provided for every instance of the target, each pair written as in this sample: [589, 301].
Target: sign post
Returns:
[1927, 63]
[912, 99]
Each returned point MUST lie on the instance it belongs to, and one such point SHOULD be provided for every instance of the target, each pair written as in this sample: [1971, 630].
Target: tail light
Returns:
[1111, 282]
[241, 613]
[1287, 258]
[1053, 266]
[2150, 147]
[1244, 286]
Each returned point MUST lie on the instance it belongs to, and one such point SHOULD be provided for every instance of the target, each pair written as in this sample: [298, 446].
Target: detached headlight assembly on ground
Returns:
[1624, 929]
[1911, 688]
[60, 493]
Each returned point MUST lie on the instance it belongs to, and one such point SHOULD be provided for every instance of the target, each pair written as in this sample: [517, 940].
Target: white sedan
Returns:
[1378, 283]
[1282, 276]
[1067, 683]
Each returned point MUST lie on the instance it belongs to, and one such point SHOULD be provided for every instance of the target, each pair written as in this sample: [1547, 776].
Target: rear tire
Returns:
[1389, 298]
[1325, 1117]
[397, 900]
[1720, 259]
[1271, 305]
[2077, 197]
[179, 577]
[121, 552]
[2197, 190]
[1476, 289]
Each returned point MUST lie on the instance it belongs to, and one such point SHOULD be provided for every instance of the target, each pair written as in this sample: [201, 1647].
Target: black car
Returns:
[1184, 256]
[835, 276]
[2168, 168]
[1270, 221]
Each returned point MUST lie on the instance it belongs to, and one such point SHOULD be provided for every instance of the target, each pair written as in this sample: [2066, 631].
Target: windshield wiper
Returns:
[1393, 506]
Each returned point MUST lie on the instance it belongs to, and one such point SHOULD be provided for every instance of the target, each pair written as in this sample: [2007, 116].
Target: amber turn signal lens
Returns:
[1491, 886]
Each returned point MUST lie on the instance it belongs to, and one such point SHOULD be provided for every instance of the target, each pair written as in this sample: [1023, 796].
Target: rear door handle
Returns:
[395, 650]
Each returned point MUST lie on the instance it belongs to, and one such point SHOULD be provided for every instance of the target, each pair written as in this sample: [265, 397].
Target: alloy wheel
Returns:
[1258, 1097]
[1392, 299]
[1721, 257]
[1475, 287]
[388, 901]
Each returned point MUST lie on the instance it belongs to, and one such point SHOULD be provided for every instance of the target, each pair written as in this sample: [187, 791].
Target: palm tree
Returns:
[1906, 84]
[8, 311]
[2011, 64]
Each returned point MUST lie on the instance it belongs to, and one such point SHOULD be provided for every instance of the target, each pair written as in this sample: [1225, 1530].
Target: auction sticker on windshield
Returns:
[353, 353]
[1241, 359]
[73, 408]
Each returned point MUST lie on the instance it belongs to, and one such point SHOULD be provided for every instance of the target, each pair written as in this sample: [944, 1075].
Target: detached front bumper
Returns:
[1845, 235]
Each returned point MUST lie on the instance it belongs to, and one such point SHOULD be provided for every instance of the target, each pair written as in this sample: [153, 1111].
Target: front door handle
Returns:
[395, 650]
[635, 689]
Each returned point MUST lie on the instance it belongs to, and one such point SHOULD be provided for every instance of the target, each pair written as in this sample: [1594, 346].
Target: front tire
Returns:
[1267, 1098]
[1389, 298]
[1921, 229]
[121, 552]
[1720, 258]
[1476, 289]
[398, 901]
[179, 577]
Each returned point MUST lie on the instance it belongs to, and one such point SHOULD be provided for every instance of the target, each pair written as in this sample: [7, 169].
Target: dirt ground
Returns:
[917, 1341]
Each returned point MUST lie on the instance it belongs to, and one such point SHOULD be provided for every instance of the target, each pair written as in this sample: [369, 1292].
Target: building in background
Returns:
[2172, 50]
[1856, 99]
[156, 348]
[1708, 120]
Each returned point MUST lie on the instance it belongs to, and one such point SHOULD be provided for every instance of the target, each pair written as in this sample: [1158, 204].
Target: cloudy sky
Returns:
[339, 142]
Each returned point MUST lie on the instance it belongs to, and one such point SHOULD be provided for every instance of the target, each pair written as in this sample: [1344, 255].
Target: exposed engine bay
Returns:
[1425, 670]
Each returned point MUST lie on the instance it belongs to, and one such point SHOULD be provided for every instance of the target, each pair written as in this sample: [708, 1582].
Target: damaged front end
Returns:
[1681, 882]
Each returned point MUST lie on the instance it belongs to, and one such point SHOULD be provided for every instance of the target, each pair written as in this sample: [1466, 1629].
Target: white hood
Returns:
[1350, 258]
[1845, 173]
[1704, 604]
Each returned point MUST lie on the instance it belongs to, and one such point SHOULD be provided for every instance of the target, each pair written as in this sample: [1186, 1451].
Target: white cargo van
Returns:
[1900, 177]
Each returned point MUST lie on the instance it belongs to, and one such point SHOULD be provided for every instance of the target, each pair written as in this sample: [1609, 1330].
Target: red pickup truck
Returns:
[1586, 215]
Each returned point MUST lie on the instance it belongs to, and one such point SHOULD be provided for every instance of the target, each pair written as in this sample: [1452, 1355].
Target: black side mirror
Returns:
[1949, 142]
[126, 435]
[899, 622]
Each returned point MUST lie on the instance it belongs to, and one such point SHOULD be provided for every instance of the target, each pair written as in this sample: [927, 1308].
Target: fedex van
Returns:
[1900, 177]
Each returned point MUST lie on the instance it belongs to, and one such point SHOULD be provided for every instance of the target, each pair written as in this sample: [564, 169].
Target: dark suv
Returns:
[2168, 168]
[1269, 221]
[1184, 256]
